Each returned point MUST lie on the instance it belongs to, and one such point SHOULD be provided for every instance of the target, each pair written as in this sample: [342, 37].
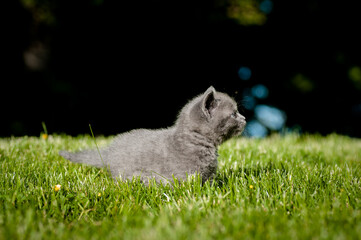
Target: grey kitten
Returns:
[188, 147]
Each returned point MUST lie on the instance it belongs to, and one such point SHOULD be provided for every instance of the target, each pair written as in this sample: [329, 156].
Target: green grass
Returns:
[293, 187]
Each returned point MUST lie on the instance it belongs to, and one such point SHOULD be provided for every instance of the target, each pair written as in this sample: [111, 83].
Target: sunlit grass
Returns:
[293, 187]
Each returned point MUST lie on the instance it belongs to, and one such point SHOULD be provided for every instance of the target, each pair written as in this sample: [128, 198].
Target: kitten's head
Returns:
[214, 115]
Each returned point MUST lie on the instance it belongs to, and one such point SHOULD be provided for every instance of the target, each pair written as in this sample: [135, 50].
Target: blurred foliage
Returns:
[244, 12]
[355, 75]
[56, 48]
[41, 10]
[302, 83]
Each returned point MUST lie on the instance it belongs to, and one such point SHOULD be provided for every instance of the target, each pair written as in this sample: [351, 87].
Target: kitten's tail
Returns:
[88, 157]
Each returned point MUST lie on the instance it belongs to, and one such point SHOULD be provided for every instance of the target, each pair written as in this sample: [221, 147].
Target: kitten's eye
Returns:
[234, 114]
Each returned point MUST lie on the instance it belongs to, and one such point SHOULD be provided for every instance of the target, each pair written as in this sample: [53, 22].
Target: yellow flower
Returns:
[57, 188]
[44, 136]
[251, 186]
[99, 194]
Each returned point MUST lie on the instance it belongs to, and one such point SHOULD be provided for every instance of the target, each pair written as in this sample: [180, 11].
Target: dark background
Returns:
[119, 65]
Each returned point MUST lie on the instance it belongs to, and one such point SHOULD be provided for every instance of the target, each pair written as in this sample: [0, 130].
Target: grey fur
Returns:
[189, 146]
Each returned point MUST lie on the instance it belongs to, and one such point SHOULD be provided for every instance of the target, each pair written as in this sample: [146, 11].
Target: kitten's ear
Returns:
[209, 102]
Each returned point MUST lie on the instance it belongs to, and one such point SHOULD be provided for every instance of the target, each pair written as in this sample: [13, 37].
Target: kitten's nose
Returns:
[241, 117]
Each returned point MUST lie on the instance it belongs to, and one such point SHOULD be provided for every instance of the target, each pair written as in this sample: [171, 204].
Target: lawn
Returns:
[280, 187]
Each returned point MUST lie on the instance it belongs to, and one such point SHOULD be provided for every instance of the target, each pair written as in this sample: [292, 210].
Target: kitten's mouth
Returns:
[241, 127]
[236, 130]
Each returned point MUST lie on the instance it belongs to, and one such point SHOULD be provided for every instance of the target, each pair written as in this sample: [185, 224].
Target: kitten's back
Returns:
[139, 152]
